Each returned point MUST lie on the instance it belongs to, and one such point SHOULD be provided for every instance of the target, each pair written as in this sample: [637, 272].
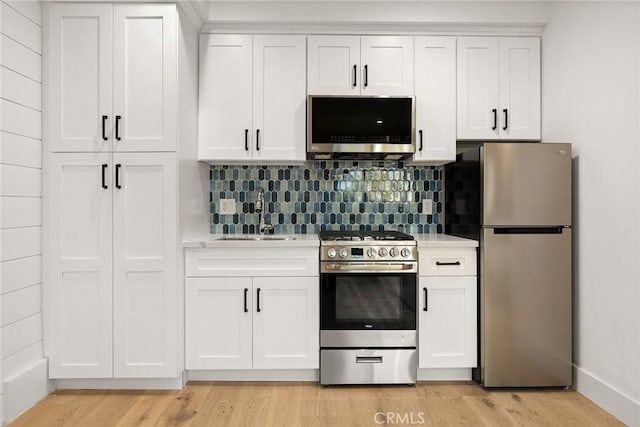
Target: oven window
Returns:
[378, 298]
[367, 301]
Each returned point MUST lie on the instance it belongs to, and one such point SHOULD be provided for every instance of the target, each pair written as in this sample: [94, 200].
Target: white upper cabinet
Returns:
[498, 88]
[252, 98]
[352, 65]
[435, 90]
[112, 77]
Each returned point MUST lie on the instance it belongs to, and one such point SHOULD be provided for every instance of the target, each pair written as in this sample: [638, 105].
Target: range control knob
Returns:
[343, 253]
[382, 252]
[331, 253]
[405, 252]
[371, 252]
[393, 252]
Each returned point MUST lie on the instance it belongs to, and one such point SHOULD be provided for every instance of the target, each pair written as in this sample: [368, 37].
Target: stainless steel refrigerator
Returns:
[515, 198]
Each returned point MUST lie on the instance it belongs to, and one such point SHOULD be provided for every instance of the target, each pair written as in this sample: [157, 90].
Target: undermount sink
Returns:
[254, 237]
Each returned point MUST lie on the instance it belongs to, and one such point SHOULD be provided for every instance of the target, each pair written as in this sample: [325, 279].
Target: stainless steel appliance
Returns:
[516, 199]
[360, 127]
[368, 308]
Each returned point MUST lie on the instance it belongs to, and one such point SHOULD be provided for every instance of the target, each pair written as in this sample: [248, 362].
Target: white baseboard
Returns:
[617, 403]
[119, 384]
[444, 374]
[24, 390]
[254, 375]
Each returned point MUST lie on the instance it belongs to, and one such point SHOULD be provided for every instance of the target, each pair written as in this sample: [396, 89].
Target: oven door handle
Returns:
[378, 267]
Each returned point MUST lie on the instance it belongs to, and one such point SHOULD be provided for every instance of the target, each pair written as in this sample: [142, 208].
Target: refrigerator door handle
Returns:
[529, 230]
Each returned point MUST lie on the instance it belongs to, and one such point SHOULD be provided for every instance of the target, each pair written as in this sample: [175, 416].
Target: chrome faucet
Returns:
[259, 208]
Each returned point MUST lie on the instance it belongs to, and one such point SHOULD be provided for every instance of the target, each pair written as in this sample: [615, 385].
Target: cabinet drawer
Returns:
[263, 261]
[447, 262]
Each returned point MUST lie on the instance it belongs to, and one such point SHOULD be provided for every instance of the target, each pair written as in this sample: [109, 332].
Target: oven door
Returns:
[368, 301]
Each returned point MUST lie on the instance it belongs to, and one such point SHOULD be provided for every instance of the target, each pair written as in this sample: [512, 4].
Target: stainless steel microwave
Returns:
[360, 127]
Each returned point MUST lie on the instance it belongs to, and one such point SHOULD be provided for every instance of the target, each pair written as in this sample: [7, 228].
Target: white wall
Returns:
[23, 372]
[590, 81]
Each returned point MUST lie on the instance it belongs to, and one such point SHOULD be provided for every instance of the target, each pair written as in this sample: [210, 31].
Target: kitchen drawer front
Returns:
[266, 262]
[447, 262]
[368, 366]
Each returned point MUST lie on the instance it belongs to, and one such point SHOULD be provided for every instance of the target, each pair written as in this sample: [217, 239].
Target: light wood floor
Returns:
[308, 404]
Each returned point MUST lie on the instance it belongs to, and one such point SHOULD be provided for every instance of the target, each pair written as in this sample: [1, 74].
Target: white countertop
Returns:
[444, 241]
[311, 240]
[219, 241]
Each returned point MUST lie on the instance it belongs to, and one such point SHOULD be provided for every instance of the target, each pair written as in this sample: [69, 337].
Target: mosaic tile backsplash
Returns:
[328, 195]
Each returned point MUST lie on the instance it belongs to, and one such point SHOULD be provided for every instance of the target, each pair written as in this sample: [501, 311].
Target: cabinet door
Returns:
[78, 241]
[333, 65]
[79, 77]
[145, 282]
[387, 65]
[435, 81]
[286, 323]
[447, 329]
[145, 77]
[520, 88]
[225, 121]
[218, 323]
[279, 95]
[478, 97]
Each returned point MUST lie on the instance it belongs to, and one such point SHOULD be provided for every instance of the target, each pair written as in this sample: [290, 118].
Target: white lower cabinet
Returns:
[447, 304]
[252, 322]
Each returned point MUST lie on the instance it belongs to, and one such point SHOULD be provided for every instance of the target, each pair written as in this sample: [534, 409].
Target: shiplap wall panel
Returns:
[20, 28]
[21, 120]
[15, 363]
[20, 181]
[30, 9]
[20, 273]
[20, 150]
[20, 242]
[15, 87]
[19, 58]
[21, 304]
[21, 334]
[20, 212]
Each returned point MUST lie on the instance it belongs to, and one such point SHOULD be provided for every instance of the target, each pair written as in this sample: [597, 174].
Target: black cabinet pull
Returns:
[104, 126]
[426, 297]
[366, 75]
[104, 168]
[118, 127]
[420, 132]
[257, 139]
[506, 119]
[495, 119]
[447, 263]
[258, 301]
[355, 75]
[246, 140]
[246, 290]
[118, 166]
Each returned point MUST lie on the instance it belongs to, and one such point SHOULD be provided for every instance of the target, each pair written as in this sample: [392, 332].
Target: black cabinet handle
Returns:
[366, 75]
[246, 290]
[495, 119]
[447, 263]
[426, 298]
[258, 301]
[506, 119]
[355, 75]
[118, 127]
[104, 168]
[257, 139]
[104, 126]
[118, 166]
[420, 132]
[246, 140]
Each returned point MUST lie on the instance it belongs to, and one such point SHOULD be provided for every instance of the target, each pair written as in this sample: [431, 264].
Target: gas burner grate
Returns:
[363, 235]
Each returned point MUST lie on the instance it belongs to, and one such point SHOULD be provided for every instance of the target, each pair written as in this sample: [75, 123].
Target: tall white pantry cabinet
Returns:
[111, 190]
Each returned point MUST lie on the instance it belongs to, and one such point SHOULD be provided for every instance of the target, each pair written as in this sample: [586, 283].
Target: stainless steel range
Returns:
[368, 307]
